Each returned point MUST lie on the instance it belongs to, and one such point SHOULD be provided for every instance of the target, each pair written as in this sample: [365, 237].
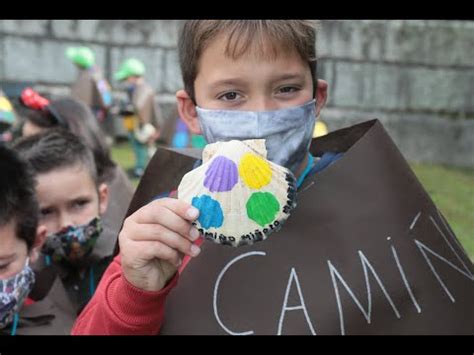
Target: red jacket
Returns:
[114, 310]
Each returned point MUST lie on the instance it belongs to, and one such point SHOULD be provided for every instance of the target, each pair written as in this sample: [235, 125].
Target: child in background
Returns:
[141, 113]
[25, 308]
[72, 202]
[91, 87]
[74, 116]
[7, 118]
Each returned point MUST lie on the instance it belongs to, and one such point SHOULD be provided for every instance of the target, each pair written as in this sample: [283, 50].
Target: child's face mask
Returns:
[73, 243]
[13, 292]
[287, 132]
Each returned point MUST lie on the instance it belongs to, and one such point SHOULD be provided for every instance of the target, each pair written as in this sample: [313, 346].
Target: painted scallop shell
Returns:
[242, 197]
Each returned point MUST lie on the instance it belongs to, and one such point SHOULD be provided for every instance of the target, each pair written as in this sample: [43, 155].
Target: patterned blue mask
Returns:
[74, 242]
[13, 292]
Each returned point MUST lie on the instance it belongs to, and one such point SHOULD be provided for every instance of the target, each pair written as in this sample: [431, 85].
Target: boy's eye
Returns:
[80, 203]
[4, 267]
[229, 96]
[46, 212]
[288, 89]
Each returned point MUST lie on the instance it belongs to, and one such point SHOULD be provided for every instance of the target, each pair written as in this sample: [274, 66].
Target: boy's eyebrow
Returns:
[295, 76]
[85, 195]
[71, 198]
[240, 82]
[228, 82]
[44, 206]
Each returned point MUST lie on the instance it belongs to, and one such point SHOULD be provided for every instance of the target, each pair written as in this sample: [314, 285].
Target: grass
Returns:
[452, 190]
[122, 153]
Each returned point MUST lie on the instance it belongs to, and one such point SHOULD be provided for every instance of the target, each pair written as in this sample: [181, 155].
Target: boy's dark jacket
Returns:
[365, 252]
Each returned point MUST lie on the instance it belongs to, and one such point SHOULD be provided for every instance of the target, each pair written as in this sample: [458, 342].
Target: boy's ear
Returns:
[187, 111]
[40, 238]
[321, 95]
[103, 198]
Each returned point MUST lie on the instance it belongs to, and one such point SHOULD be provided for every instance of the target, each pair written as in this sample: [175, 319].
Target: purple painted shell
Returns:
[222, 175]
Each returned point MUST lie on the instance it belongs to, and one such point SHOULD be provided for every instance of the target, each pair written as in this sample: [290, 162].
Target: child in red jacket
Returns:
[246, 65]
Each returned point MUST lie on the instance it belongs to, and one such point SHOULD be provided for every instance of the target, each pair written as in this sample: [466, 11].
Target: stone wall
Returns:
[417, 77]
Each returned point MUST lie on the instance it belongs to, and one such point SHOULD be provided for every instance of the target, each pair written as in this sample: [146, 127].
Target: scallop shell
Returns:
[242, 197]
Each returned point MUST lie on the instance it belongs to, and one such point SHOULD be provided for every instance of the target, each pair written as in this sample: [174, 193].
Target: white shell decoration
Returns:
[242, 197]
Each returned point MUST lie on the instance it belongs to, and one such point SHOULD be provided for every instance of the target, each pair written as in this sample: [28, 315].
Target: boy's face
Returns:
[131, 80]
[69, 197]
[13, 250]
[250, 83]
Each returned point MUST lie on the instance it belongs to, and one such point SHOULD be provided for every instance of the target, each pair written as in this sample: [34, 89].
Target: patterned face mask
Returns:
[73, 243]
[287, 132]
[13, 292]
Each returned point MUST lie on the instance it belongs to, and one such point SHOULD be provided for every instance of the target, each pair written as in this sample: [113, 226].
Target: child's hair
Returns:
[56, 149]
[243, 35]
[77, 118]
[17, 196]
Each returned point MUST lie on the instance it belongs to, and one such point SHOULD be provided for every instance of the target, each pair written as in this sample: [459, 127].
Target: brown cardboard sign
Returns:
[366, 251]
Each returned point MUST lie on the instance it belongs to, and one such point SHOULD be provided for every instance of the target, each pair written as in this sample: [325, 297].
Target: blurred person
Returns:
[72, 201]
[91, 87]
[26, 306]
[176, 134]
[140, 111]
[74, 116]
[7, 118]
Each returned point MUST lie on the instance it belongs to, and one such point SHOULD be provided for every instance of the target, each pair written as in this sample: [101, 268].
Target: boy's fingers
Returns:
[164, 252]
[157, 250]
[181, 208]
[167, 219]
[158, 233]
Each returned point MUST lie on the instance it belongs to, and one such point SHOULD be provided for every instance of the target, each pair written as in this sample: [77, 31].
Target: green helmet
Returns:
[82, 56]
[130, 67]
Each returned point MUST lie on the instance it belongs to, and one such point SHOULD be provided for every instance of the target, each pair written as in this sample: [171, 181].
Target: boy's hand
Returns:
[153, 241]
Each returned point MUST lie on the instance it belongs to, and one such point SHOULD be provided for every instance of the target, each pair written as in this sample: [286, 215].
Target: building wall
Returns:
[417, 77]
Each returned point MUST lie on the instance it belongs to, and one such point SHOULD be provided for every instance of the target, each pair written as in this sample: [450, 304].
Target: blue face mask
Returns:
[287, 132]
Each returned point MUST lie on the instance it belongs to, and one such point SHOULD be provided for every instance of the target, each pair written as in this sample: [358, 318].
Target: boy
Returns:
[155, 238]
[71, 202]
[257, 79]
[91, 87]
[7, 118]
[24, 308]
[141, 113]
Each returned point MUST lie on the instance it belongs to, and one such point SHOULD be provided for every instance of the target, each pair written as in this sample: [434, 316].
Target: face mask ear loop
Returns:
[91, 281]
[15, 324]
[308, 168]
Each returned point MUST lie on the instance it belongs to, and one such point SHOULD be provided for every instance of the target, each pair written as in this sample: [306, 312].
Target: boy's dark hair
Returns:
[55, 149]
[17, 196]
[243, 35]
[78, 119]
